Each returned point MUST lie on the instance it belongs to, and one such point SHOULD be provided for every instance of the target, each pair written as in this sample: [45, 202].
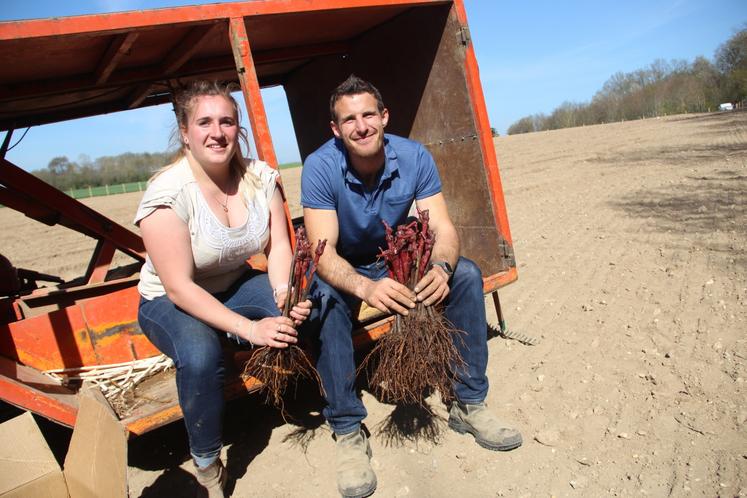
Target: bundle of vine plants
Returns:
[277, 368]
[419, 354]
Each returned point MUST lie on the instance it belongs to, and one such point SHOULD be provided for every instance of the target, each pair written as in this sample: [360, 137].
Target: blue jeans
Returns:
[464, 308]
[196, 349]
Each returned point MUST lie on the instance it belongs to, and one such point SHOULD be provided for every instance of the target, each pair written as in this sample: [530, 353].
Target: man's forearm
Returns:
[341, 275]
[446, 249]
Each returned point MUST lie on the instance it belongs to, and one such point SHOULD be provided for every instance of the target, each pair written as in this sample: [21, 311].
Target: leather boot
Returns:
[355, 477]
[489, 432]
[212, 478]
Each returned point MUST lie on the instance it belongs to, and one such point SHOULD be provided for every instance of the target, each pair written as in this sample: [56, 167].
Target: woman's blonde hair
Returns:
[184, 104]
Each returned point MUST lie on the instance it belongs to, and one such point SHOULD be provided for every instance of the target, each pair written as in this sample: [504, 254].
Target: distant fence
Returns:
[121, 188]
[125, 188]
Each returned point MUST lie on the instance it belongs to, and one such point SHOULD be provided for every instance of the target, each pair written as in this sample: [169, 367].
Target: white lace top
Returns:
[219, 251]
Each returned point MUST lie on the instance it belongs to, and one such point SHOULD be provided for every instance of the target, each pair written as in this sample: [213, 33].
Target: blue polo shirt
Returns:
[329, 182]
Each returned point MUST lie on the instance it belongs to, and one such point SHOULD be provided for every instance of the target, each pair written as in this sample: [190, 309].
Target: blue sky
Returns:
[533, 56]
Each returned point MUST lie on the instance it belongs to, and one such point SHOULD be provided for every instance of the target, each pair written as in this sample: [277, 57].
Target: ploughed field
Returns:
[631, 242]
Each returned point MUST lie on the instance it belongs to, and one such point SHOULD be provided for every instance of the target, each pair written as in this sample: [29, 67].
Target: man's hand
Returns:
[433, 287]
[389, 296]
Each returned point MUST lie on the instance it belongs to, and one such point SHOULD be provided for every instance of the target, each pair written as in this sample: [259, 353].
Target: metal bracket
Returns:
[507, 252]
[464, 36]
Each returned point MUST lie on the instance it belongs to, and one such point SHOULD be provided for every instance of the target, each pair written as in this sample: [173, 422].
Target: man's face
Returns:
[360, 125]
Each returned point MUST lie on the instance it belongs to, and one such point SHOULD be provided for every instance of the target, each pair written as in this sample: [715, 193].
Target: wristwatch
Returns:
[446, 267]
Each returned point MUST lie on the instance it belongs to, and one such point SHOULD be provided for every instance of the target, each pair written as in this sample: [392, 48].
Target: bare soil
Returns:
[631, 241]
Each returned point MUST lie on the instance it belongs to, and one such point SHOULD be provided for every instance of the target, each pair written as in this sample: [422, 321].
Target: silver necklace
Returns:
[224, 205]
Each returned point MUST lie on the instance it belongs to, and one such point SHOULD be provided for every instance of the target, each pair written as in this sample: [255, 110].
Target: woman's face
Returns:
[212, 131]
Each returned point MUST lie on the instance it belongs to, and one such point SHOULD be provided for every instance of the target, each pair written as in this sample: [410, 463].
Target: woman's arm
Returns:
[278, 250]
[279, 255]
[167, 242]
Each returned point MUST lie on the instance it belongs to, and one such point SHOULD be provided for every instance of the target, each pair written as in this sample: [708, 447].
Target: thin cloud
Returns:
[653, 22]
[588, 55]
[117, 5]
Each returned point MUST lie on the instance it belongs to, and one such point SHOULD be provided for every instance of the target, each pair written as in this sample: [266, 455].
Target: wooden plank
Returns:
[187, 47]
[119, 47]
[160, 404]
[184, 49]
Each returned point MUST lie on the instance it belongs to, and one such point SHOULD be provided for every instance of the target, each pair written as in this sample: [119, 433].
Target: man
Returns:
[349, 185]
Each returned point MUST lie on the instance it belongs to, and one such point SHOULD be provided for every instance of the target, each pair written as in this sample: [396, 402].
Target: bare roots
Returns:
[276, 369]
[416, 357]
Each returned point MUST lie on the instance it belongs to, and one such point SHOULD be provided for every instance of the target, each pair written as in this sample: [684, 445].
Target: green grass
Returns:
[123, 188]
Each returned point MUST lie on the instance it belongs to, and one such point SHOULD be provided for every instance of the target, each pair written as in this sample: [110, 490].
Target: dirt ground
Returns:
[631, 241]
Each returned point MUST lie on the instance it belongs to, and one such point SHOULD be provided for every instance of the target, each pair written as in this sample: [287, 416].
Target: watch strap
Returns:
[446, 267]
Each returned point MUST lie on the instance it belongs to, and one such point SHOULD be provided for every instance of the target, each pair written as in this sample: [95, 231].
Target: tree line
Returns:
[65, 174]
[130, 167]
[660, 89]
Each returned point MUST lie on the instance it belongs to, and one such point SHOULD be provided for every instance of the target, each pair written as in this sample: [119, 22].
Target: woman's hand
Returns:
[299, 312]
[274, 331]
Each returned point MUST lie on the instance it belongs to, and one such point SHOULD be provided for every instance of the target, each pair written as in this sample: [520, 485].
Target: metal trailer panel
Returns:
[420, 61]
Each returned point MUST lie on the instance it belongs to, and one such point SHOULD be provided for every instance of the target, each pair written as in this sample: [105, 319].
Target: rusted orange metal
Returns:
[96, 331]
[486, 138]
[122, 21]
[487, 146]
[27, 388]
[247, 73]
[58, 339]
[250, 87]
[100, 263]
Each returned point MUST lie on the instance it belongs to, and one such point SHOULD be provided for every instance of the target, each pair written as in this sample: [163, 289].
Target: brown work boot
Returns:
[212, 478]
[355, 477]
[489, 432]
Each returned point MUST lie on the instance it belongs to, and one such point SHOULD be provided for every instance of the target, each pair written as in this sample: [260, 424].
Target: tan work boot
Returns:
[212, 478]
[355, 477]
[489, 432]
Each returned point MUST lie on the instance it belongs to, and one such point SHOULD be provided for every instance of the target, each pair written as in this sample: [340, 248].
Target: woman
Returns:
[201, 218]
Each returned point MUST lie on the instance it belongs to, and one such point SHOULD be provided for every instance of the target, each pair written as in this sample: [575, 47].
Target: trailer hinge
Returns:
[507, 253]
[464, 36]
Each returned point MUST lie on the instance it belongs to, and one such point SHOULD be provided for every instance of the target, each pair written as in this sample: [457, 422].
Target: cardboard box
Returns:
[96, 461]
[27, 466]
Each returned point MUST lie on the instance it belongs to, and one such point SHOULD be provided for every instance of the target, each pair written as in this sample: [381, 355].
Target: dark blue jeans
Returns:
[198, 356]
[464, 308]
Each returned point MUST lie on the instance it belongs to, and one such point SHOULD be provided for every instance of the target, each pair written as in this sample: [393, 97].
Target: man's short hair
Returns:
[353, 86]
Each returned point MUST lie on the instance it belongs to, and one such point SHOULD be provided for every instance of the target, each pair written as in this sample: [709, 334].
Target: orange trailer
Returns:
[418, 52]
